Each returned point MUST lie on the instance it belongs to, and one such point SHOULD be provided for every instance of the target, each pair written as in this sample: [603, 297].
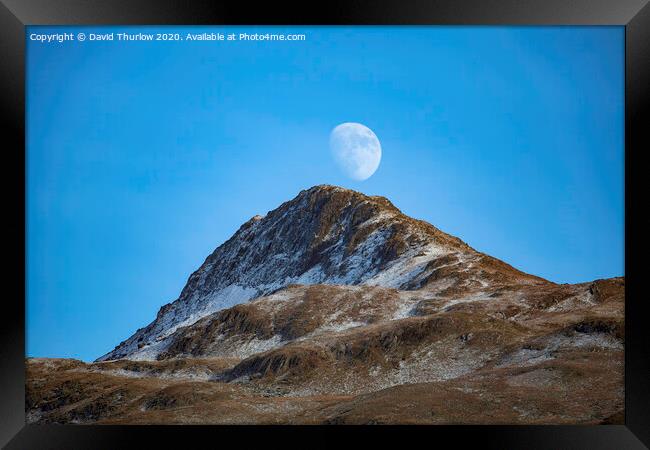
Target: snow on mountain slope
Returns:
[326, 235]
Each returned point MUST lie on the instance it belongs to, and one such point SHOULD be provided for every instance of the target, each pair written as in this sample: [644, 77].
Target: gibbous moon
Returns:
[356, 150]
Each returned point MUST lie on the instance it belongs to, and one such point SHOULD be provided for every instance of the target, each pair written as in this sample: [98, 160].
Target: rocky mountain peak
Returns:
[325, 235]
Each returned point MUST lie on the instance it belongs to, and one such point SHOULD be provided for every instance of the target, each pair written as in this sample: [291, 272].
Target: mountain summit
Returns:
[337, 308]
[325, 235]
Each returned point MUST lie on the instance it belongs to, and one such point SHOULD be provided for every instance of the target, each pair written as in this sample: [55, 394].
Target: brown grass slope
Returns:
[527, 354]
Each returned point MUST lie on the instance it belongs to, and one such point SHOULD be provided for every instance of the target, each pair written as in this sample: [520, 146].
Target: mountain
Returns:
[337, 308]
[326, 235]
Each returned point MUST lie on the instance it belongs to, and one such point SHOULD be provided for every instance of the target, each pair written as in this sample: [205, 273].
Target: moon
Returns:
[356, 150]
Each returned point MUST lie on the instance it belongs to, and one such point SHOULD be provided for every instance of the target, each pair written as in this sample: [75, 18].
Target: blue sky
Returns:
[142, 157]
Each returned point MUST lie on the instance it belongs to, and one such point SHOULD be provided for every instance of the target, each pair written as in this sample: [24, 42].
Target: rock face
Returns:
[337, 308]
[326, 235]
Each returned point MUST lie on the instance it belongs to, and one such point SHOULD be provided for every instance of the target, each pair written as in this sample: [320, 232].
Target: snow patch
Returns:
[407, 267]
[255, 345]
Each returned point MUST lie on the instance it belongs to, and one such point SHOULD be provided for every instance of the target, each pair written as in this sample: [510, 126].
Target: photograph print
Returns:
[325, 225]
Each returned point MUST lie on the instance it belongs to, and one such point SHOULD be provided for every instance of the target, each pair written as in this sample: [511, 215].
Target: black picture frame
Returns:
[633, 14]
